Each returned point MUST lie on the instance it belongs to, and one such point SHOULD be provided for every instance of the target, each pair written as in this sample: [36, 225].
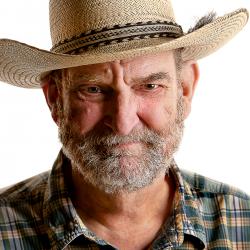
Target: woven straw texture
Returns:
[87, 32]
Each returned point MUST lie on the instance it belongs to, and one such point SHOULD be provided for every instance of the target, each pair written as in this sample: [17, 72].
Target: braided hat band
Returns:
[88, 32]
[118, 34]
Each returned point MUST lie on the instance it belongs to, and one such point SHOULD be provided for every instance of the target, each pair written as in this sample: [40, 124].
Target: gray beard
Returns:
[112, 169]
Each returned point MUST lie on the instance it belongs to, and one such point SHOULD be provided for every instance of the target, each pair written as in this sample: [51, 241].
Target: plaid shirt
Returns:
[38, 214]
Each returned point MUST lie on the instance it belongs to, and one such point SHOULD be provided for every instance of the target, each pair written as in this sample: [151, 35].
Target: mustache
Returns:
[144, 135]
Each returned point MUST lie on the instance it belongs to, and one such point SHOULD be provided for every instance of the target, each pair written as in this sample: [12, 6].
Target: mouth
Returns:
[123, 149]
[126, 145]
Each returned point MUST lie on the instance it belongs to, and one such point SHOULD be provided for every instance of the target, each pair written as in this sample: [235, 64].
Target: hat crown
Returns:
[95, 31]
[69, 19]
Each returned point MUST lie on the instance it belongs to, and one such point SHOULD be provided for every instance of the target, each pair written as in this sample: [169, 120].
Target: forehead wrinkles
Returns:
[90, 73]
[69, 78]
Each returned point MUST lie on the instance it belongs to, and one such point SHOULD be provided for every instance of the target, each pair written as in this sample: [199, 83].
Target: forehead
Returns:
[138, 66]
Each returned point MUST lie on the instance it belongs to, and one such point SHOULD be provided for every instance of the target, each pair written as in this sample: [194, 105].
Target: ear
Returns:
[51, 94]
[189, 79]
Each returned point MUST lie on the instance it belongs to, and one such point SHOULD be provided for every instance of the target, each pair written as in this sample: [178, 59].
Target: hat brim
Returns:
[22, 65]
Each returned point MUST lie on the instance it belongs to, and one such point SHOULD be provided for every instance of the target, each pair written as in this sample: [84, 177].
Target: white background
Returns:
[217, 136]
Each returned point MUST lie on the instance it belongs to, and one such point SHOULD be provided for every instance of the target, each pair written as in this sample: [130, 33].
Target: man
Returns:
[119, 85]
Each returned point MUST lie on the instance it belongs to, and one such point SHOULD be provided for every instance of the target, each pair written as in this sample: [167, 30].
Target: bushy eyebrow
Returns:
[139, 80]
[154, 77]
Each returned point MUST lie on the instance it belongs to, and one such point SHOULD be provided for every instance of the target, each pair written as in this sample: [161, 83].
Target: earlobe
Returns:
[189, 80]
[50, 91]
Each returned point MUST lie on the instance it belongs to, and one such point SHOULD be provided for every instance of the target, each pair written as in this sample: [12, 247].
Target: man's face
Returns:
[121, 121]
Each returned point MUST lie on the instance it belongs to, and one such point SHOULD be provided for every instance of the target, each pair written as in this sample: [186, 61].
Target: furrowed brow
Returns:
[155, 77]
[86, 78]
[76, 80]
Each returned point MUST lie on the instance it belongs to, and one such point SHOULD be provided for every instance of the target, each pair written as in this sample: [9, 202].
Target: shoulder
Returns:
[219, 211]
[207, 187]
[27, 190]
[22, 213]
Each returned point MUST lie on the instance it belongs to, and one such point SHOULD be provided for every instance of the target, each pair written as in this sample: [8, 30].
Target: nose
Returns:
[123, 117]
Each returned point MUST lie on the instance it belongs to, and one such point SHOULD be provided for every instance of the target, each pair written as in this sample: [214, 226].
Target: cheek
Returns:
[84, 116]
[158, 114]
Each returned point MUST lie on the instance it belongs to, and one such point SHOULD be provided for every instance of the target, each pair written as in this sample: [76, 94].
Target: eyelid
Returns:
[144, 85]
[83, 94]
[86, 86]
[92, 86]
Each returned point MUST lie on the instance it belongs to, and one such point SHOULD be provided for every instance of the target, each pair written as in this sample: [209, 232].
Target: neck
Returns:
[152, 203]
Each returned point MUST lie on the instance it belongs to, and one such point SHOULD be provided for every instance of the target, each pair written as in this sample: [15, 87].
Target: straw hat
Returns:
[94, 31]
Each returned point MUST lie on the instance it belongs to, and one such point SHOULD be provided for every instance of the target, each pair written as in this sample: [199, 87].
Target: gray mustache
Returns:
[144, 136]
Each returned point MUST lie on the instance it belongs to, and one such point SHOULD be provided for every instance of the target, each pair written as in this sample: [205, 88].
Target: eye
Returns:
[150, 86]
[92, 92]
[149, 89]
[93, 89]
